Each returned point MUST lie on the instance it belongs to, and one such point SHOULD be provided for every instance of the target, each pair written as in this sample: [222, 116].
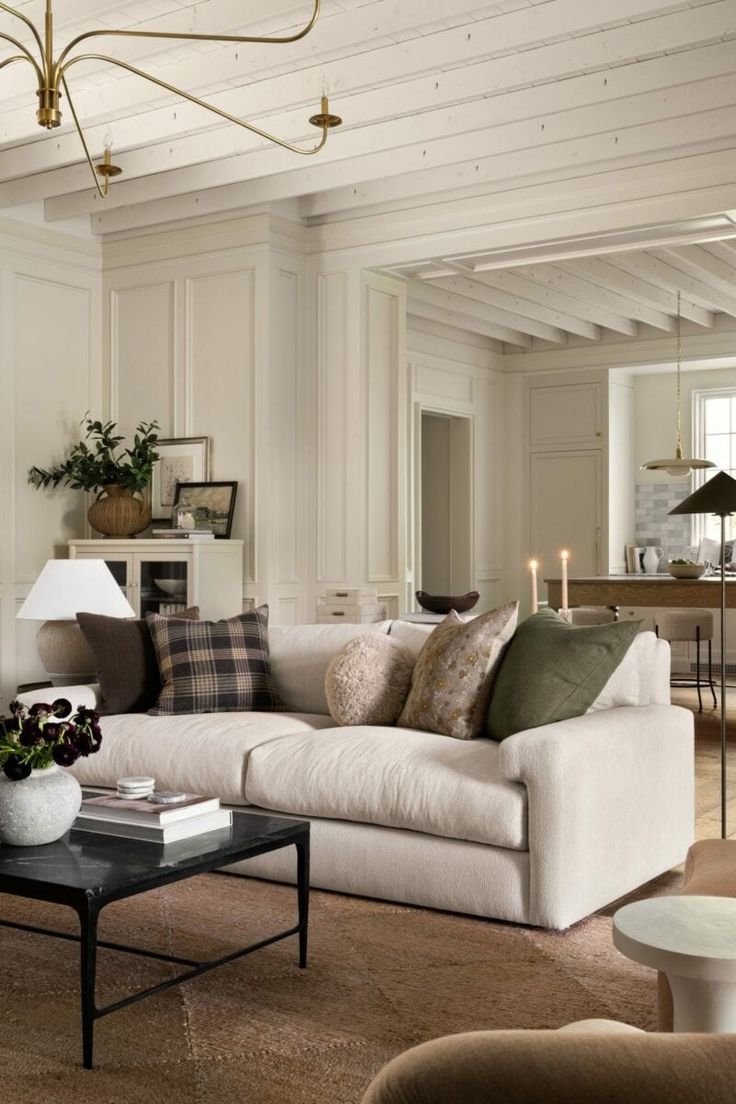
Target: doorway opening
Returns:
[446, 490]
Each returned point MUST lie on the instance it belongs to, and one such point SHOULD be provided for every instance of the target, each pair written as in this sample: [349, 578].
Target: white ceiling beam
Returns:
[405, 98]
[726, 250]
[495, 296]
[460, 294]
[638, 291]
[593, 303]
[539, 290]
[420, 307]
[655, 268]
[698, 262]
[503, 152]
[584, 285]
[353, 30]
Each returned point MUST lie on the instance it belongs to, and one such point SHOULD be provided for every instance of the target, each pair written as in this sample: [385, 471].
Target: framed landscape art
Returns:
[206, 506]
[181, 460]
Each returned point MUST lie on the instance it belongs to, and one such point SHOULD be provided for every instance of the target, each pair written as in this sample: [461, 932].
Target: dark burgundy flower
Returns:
[61, 707]
[15, 707]
[39, 709]
[31, 734]
[84, 743]
[65, 754]
[15, 769]
[51, 732]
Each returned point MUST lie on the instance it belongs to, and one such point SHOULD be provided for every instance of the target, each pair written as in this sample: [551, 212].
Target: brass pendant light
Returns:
[678, 464]
[51, 77]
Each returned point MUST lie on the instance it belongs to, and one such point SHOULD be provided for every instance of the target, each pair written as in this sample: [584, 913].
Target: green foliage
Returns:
[98, 460]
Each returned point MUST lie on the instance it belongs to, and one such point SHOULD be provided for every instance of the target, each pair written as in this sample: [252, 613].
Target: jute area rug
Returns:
[382, 977]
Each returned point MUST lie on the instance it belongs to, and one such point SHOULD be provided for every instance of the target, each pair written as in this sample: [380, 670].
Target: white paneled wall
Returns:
[50, 374]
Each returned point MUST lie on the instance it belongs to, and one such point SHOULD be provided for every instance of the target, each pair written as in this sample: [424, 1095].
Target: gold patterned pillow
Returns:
[453, 676]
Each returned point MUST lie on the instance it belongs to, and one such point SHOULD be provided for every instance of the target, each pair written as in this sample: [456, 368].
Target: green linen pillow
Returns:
[553, 670]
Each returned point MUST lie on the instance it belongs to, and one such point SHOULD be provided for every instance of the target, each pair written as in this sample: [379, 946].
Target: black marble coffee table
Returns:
[87, 872]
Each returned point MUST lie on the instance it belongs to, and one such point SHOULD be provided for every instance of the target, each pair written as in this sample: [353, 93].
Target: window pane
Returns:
[718, 414]
[718, 449]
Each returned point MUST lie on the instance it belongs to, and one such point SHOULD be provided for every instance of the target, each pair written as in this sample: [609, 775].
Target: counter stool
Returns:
[691, 626]
[591, 615]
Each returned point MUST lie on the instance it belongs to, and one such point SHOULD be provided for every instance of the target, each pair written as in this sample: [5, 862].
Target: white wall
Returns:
[50, 374]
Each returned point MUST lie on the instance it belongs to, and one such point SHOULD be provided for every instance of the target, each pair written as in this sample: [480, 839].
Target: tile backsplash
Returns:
[654, 524]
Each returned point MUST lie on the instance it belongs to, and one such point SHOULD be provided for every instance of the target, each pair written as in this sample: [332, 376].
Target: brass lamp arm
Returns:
[10, 60]
[183, 36]
[195, 100]
[80, 132]
[27, 55]
[34, 32]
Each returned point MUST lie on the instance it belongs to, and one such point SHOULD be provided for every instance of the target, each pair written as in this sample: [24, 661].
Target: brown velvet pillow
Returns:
[125, 660]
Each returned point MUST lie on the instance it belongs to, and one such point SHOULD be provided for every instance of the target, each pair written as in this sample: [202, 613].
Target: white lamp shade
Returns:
[68, 587]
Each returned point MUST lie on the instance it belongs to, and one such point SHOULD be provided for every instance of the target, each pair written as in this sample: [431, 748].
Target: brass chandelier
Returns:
[51, 76]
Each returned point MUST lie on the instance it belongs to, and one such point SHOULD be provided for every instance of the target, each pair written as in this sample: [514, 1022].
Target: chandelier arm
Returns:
[186, 37]
[10, 60]
[200, 103]
[80, 132]
[26, 54]
[34, 32]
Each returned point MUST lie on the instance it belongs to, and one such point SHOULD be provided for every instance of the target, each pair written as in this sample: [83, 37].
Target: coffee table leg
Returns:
[302, 877]
[88, 946]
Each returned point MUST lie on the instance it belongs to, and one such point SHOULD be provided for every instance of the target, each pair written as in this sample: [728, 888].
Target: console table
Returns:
[643, 590]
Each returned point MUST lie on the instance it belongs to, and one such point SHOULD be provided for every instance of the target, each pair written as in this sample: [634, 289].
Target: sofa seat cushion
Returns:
[198, 753]
[396, 777]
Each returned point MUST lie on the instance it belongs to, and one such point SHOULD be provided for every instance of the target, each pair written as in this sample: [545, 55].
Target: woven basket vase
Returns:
[117, 512]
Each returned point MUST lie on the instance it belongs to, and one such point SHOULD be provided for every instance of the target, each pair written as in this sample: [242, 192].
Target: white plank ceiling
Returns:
[440, 98]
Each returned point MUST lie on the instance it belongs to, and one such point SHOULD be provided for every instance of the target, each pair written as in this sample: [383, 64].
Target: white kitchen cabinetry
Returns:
[568, 415]
[162, 576]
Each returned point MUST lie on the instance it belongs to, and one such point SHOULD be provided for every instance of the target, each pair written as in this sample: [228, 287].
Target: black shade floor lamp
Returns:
[717, 496]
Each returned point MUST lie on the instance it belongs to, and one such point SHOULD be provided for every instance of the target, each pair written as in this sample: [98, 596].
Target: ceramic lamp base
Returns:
[64, 653]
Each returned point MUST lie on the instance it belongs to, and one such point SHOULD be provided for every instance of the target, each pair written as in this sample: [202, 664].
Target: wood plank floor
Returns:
[708, 761]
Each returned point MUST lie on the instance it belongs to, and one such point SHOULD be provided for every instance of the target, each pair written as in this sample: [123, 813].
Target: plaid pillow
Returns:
[213, 666]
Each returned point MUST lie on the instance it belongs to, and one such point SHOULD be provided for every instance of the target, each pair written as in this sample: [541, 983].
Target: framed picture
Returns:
[181, 460]
[205, 506]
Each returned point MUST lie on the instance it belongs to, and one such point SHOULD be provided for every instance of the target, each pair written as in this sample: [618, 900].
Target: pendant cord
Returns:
[678, 450]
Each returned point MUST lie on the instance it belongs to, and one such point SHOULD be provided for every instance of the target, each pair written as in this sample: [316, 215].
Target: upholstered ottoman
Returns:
[710, 871]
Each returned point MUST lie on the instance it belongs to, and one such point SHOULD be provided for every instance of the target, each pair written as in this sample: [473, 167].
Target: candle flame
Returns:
[533, 565]
[564, 554]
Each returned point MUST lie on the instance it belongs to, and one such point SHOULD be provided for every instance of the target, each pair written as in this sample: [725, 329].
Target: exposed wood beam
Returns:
[531, 283]
[419, 305]
[639, 291]
[584, 285]
[593, 303]
[502, 152]
[655, 268]
[700, 263]
[462, 295]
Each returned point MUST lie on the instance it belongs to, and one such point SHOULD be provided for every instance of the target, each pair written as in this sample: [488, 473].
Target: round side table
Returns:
[693, 941]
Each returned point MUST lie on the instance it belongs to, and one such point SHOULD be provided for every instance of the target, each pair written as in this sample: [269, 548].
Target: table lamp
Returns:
[64, 588]
[717, 496]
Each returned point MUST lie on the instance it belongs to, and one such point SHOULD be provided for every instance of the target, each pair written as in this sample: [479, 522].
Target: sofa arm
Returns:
[610, 805]
[556, 1067]
[87, 695]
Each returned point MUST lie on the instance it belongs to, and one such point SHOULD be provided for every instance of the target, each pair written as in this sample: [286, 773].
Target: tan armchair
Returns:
[589, 1063]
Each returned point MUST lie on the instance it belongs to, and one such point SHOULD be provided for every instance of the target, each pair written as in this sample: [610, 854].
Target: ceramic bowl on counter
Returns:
[686, 570]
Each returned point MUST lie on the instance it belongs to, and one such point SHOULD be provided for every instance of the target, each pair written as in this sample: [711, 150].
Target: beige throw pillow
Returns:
[368, 680]
[454, 673]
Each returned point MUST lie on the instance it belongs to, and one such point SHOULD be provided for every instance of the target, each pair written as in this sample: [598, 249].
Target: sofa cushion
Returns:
[300, 656]
[553, 671]
[368, 680]
[395, 777]
[453, 676]
[125, 660]
[213, 666]
[203, 753]
[412, 635]
[634, 680]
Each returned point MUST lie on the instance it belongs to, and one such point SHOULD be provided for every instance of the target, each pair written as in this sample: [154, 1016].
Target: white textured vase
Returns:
[38, 809]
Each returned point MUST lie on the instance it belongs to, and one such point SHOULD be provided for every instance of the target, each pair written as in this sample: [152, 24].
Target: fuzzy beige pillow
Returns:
[368, 680]
[454, 673]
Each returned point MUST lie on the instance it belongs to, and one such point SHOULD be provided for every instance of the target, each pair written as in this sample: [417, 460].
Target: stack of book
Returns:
[357, 605]
[183, 534]
[145, 820]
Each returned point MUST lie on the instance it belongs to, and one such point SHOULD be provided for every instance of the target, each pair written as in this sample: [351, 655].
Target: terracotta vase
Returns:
[117, 512]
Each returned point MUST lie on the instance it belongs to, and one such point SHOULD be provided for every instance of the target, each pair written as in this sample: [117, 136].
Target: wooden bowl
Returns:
[686, 571]
[443, 603]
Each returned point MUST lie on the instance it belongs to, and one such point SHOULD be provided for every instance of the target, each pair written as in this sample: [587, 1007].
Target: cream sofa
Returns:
[541, 829]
